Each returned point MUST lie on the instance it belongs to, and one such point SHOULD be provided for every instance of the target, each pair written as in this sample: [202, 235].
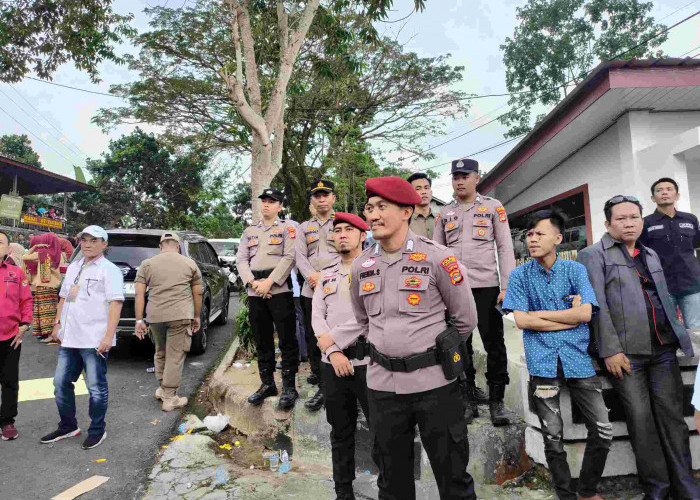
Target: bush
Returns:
[245, 332]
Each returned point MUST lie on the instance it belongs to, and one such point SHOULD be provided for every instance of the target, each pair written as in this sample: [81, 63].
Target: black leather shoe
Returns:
[316, 402]
[313, 379]
[265, 391]
[471, 407]
[289, 391]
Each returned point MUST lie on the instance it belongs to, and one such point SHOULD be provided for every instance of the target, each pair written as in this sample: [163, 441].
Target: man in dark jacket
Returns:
[637, 335]
[674, 236]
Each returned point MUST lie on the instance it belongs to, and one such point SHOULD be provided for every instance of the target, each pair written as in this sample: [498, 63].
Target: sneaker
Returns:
[174, 403]
[93, 441]
[9, 432]
[159, 394]
[58, 435]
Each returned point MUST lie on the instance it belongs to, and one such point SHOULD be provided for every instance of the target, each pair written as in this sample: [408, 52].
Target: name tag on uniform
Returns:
[654, 228]
[686, 225]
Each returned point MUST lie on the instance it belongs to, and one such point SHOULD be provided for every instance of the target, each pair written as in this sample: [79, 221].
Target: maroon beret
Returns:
[394, 189]
[351, 219]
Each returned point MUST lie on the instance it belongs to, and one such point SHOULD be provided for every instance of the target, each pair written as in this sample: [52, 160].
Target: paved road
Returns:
[30, 470]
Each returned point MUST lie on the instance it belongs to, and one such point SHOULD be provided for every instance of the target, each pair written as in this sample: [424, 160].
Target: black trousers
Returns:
[490, 324]
[342, 395]
[270, 315]
[439, 414]
[653, 401]
[312, 349]
[9, 381]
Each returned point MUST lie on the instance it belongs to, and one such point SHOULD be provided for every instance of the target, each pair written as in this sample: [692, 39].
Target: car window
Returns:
[225, 248]
[211, 257]
[128, 249]
[194, 251]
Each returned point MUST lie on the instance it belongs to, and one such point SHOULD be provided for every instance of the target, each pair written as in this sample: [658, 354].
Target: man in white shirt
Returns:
[91, 299]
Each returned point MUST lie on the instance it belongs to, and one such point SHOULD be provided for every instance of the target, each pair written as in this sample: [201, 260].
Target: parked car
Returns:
[129, 247]
[227, 248]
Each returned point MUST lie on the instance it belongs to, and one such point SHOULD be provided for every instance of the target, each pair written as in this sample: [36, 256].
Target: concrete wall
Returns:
[625, 159]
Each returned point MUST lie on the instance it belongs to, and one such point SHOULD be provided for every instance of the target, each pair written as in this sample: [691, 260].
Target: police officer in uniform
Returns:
[400, 288]
[315, 251]
[265, 258]
[471, 226]
[345, 357]
[423, 218]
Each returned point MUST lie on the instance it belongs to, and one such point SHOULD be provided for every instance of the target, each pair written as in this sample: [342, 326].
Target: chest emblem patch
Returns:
[368, 263]
[418, 257]
[275, 241]
[482, 209]
[368, 286]
[480, 222]
[450, 225]
[481, 231]
[414, 299]
[413, 282]
[327, 290]
[311, 228]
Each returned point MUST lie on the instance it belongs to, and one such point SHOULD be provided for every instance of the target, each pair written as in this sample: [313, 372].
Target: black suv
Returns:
[129, 247]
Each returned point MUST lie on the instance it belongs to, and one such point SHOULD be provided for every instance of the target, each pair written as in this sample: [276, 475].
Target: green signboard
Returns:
[11, 206]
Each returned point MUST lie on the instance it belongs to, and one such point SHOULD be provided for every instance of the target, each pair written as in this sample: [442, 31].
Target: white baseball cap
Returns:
[95, 231]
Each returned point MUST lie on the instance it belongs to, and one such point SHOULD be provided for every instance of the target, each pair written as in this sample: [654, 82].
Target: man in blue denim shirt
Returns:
[552, 301]
[637, 334]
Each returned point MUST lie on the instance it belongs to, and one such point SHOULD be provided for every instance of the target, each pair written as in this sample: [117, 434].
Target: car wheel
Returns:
[222, 319]
[199, 339]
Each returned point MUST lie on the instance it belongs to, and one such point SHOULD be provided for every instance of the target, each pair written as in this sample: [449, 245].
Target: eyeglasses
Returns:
[620, 199]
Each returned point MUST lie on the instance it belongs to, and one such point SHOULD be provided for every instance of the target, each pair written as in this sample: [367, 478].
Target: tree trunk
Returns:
[261, 172]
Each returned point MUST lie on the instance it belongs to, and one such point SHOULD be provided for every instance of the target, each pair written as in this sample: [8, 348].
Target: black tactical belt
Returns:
[406, 364]
[357, 351]
[261, 275]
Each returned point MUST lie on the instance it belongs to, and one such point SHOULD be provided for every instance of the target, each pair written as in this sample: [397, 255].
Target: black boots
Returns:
[471, 407]
[313, 379]
[289, 391]
[496, 406]
[267, 389]
[480, 395]
[316, 402]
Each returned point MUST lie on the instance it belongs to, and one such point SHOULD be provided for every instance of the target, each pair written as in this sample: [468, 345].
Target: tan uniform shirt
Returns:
[315, 249]
[422, 225]
[400, 306]
[169, 277]
[264, 248]
[332, 311]
[471, 232]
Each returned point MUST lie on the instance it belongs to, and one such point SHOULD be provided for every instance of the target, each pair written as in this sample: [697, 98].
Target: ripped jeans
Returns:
[586, 394]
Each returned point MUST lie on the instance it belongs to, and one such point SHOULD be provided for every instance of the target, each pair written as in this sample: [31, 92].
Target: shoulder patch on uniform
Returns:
[501, 213]
[292, 232]
[451, 265]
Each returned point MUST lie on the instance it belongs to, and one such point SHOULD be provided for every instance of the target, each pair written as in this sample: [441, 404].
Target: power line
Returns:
[24, 110]
[494, 146]
[691, 50]
[73, 88]
[36, 136]
[77, 148]
[583, 75]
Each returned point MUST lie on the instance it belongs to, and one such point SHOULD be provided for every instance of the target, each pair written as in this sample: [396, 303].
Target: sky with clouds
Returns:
[58, 119]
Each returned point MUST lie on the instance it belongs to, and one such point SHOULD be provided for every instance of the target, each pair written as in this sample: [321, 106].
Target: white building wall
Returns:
[626, 159]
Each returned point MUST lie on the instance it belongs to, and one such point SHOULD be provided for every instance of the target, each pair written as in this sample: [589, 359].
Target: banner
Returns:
[35, 220]
[11, 206]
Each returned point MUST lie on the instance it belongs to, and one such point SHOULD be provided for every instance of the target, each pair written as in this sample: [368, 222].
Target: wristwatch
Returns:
[139, 321]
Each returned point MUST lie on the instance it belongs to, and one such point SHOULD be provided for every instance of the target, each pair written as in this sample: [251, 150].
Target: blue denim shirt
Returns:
[533, 288]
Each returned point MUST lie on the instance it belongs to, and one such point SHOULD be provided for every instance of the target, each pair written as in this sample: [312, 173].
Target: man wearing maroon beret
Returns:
[400, 289]
[345, 357]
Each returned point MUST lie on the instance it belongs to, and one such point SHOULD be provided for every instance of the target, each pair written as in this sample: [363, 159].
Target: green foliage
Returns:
[244, 331]
[19, 147]
[142, 183]
[350, 89]
[40, 35]
[559, 41]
